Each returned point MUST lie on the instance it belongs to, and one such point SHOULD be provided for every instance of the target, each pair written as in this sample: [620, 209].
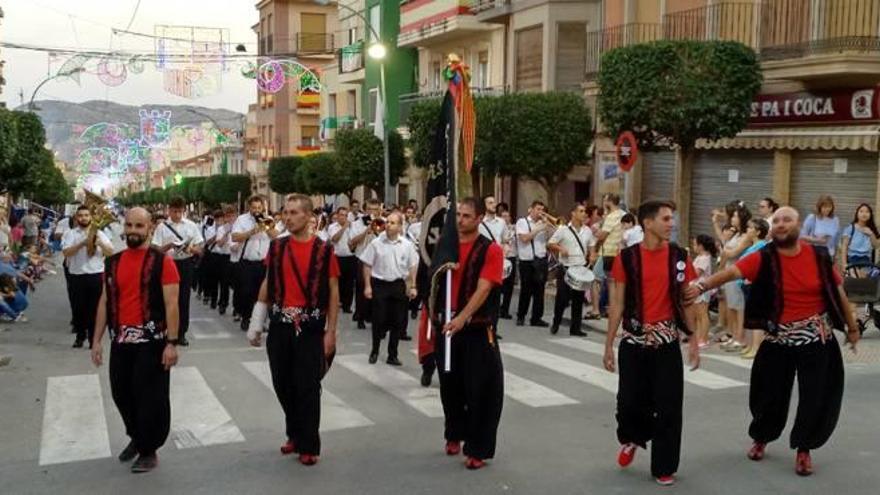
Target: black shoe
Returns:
[245, 323]
[362, 325]
[498, 337]
[183, 342]
[506, 316]
[520, 322]
[414, 314]
[236, 317]
[145, 464]
[128, 453]
[213, 305]
[374, 356]
[539, 324]
[393, 361]
[346, 311]
[222, 310]
[405, 337]
[578, 333]
[77, 344]
[426, 378]
[554, 328]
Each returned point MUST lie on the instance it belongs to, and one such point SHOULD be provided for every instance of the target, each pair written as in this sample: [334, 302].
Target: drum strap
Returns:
[580, 244]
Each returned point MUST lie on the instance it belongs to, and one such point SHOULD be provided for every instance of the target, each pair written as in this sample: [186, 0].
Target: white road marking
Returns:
[74, 425]
[335, 413]
[395, 382]
[592, 375]
[207, 328]
[197, 416]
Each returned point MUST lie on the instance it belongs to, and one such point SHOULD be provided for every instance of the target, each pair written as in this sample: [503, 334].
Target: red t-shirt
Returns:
[302, 252]
[801, 286]
[128, 281]
[493, 267]
[656, 303]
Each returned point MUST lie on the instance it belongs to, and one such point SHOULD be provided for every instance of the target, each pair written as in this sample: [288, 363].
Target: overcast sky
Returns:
[86, 24]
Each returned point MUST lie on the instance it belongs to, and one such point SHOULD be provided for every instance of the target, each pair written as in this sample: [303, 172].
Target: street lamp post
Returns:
[376, 51]
[77, 70]
[224, 167]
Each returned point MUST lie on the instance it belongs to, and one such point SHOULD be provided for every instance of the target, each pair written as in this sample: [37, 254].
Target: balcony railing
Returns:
[351, 58]
[478, 6]
[776, 29]
[407, 101]
[319, 43]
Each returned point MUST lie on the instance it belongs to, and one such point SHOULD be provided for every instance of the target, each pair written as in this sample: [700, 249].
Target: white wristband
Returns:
[258, 317]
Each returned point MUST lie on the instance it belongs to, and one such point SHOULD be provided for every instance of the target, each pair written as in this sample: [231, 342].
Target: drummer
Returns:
[494, 228]
[574, 245]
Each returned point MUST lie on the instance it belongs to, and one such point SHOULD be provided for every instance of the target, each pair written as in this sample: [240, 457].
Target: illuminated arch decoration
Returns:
[192, 58]
[112, 72]
[155, 128]
[271, 75]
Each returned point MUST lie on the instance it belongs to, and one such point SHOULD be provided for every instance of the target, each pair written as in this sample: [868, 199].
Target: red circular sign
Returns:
[627, 149]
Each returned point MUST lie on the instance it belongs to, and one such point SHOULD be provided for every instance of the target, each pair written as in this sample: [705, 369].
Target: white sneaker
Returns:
[21, 318]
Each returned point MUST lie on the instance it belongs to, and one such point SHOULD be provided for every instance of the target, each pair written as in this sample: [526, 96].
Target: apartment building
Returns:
[2, 63]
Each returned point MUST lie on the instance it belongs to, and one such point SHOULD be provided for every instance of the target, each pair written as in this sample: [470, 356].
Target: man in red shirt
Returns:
[302, 288]
[796, 297]
[473, 391]
[139, 306]
[647, 297]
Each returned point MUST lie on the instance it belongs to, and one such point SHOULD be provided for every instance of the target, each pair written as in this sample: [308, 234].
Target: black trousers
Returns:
[347, 266]
[235, 283]
[389, 313]
[140, 387]
[362, 306]
[819, 370]
[252, 275]
[472, 393]
[69, 293]
[224, 279]
[209, 272]
[532, 279]
[198, 274]
[507, 288]
[649, 402]
[565, 297]
[296, 362]
[185, 268]
[85, 291]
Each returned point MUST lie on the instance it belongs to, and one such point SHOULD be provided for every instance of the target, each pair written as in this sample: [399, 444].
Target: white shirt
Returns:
[357, 228]
[188, 230]
[524, 226]
[341, 247]
[414, 232]
[565, 238]
[390, 260]
[219, 233]
[62, 226]
[117, 236]
[209, 232]
[633, 236]
[81, 263]
[257, 245]
[322, 234]
[493, 229]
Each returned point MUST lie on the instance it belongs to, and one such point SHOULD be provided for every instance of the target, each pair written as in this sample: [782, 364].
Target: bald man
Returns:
[139, 307]
[797, 298]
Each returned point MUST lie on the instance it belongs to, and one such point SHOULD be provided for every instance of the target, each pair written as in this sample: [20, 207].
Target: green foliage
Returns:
[49, 185]
[536, 135]
[219, 189]
[676, 92]
[361, 157]
[156, 196]
[282, 174]
[191, 189]
[320, 174]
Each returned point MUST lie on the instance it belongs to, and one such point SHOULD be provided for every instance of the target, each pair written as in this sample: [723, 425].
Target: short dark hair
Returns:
[304, 201]
[83, 207]
[502, 207]
[538, 202]
[255, 198]
[649, 210]
[227, 210]
[177, 202]
[761, 226]
[771, 203]
[614, 198]
[628, 218]
[372, 202]
[217, 213]
[477, 205]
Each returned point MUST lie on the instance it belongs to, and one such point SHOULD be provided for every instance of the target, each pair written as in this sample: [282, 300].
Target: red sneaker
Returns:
[453, 447]
[666, 480]
[308, 459]
[756, 453]
[474, 463]
[627, 454]
[803, 465]
[288, 448]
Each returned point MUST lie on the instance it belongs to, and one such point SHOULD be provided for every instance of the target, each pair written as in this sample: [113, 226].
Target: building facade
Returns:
[2, 63]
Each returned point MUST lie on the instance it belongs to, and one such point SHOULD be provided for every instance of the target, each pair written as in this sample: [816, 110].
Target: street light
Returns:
[218, 140]
[75, 70]
[376, 51]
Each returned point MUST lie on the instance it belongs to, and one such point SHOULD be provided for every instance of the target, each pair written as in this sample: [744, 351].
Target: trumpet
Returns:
[377, 225]
[551, 220]
[102, 216]
[265, 221]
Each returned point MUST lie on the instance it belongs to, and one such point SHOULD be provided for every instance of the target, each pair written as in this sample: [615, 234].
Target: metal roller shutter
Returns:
[813, 174]
[657, 175]
[711, 186]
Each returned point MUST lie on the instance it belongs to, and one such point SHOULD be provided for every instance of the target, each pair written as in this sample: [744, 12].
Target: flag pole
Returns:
[447, 356]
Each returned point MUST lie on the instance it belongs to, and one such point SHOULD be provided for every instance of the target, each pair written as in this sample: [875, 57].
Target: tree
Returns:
[321, 174]
[48, 183]
[11, 172]
[282, 174]
[156, 196]
[219, 189]
[361, 157]
[685, 91]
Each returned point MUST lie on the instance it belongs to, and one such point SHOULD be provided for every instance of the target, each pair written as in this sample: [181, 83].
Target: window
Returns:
[375, 22]
[270, 100]
[436, 77]
[483, 69]
[331, 106]
[351, 103]
[353, 35]
[374, 101]
[310, 135]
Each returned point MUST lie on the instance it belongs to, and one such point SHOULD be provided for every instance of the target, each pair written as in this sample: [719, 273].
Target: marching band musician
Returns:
[575, 246]
[254, 231]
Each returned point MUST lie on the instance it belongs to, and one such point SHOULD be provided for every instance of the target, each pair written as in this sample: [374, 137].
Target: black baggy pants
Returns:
[819, 370]
[507, 288]
[209, 270]
[533, 279]
[472, 393]
[186, 270]
[141, 391]
[347, 267]
[224, 279]
[362, 306]
[296, 363]
[252, 275]
[565, 297]
[235, 283]
[86, 291]
[649, 402]
[389, 308]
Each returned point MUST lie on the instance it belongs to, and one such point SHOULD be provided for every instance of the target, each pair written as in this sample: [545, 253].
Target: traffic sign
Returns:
[627, 149]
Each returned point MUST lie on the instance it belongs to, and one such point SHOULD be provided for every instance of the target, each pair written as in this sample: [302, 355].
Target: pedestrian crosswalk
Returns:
[546, 373]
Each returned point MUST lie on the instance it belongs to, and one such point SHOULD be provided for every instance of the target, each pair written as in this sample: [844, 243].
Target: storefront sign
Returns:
[627, 149]
[845, 106]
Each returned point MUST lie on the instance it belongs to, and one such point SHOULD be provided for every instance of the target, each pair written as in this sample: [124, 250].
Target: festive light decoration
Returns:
[192, 58]
[272, 75]
[155, 128]
[112, 72]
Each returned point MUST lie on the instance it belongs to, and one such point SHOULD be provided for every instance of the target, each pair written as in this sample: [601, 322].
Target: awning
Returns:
[851, 137]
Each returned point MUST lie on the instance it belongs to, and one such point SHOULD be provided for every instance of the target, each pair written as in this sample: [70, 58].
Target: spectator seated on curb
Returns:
[9, 267]
[12, 301]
